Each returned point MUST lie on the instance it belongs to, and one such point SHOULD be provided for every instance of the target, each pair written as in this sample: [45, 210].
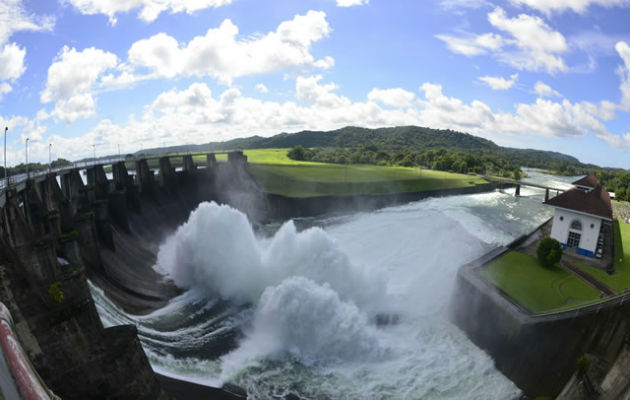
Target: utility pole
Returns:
[49, 157]
[6, 175]
[26, 153]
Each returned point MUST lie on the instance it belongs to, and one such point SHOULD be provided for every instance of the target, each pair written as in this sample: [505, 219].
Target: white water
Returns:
[307, 301]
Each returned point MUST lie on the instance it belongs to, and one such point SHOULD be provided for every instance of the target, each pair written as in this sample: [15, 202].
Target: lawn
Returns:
[538, 289]
[280, 175]
[620, 280]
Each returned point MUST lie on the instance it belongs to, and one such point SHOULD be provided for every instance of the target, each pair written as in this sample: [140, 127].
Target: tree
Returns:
[517, 174]
[549, 252]
[296, 153]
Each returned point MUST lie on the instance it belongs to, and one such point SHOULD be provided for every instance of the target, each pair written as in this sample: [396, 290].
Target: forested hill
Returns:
[391, 139]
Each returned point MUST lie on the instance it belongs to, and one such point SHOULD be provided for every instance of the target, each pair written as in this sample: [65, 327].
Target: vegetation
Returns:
[582, 364]
[539, 290]
[441, 159]
[549, 252]
[55, 292]
[620, 279]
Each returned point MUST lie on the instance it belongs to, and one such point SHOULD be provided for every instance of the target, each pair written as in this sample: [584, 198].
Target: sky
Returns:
[103, 76]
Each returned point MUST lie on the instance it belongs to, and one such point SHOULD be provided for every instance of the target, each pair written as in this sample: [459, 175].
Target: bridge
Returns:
[518, 184]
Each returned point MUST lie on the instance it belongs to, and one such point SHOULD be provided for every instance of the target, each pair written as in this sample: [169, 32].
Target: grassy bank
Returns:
[536, 288]
[620, 280]
[280, 175]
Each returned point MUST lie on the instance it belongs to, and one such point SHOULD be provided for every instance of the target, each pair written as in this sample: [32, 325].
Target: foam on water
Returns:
[306, 302]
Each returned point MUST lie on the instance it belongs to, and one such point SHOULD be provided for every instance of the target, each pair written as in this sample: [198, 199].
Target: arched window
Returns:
[576, 225]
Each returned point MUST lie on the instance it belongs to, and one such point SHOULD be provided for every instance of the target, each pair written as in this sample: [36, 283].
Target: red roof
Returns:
[595, 202]
[588, 181]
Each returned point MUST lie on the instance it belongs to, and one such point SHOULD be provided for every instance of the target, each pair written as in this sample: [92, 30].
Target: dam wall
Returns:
[538, 353]
[56, 232]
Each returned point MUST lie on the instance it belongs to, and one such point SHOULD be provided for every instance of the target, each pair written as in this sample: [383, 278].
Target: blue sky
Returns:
[549, 75]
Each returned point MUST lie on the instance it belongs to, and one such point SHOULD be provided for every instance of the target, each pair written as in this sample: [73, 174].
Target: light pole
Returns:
[6, 176]
[94, 152]
[119, 150]
[49, 157]
[26, 153]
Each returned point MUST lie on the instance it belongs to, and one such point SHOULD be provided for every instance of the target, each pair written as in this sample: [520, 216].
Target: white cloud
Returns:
[624, 73]
[11, 62]
[544, 90]
[473, 45]
[149, 9]
[224, 56]
[71, 80]
[456, 4]
[351, 3]
[4, 89]
[543, 118]
[396, 97]
[262, 88]
[578, 6]
[538, 44]
[498, 82]
[13, 18]
[533, 44]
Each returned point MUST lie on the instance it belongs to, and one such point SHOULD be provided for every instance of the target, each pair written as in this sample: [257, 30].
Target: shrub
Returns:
[55, 292]
[549, 252]
[296, 153]
[582, 364]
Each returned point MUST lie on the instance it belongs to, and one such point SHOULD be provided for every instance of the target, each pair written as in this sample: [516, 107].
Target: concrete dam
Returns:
[56, 232]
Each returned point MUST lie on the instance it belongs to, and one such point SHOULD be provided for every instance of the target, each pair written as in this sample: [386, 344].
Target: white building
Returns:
[579, 215]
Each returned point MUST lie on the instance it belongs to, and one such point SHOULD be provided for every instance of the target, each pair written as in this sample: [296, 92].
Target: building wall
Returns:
[560, 229]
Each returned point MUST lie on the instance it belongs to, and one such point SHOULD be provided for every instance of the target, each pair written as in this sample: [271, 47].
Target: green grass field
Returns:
[538, 289]
[280, 175]
[620, 280]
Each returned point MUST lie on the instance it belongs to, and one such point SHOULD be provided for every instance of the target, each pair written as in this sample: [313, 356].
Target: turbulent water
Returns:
[341, 307]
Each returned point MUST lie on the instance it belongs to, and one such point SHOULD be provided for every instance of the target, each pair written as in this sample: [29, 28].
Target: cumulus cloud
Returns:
[530, 43]
[624, 73]
[473, 45]
[71, 80]
[579, 6]
[396, 97]
[197, 115]
[351, 3]
[538, 45]
[221, 54]
[498, 82]
[11, 62]
[544, 90]
[543, 118]
[13, 18]
[149, 9]
[261, 88]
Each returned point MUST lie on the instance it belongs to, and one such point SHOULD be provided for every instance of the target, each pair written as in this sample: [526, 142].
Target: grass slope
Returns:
[280, 175]
[620, 280]
[536, 288]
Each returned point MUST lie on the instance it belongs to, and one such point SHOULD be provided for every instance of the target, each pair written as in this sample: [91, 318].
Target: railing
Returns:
[19, 178]
[25, 380]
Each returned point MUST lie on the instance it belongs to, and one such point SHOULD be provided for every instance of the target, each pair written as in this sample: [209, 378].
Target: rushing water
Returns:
[311, 296]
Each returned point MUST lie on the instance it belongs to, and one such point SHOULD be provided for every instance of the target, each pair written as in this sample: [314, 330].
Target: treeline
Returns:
[497, 162]
[440, 159]
[34, 167]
